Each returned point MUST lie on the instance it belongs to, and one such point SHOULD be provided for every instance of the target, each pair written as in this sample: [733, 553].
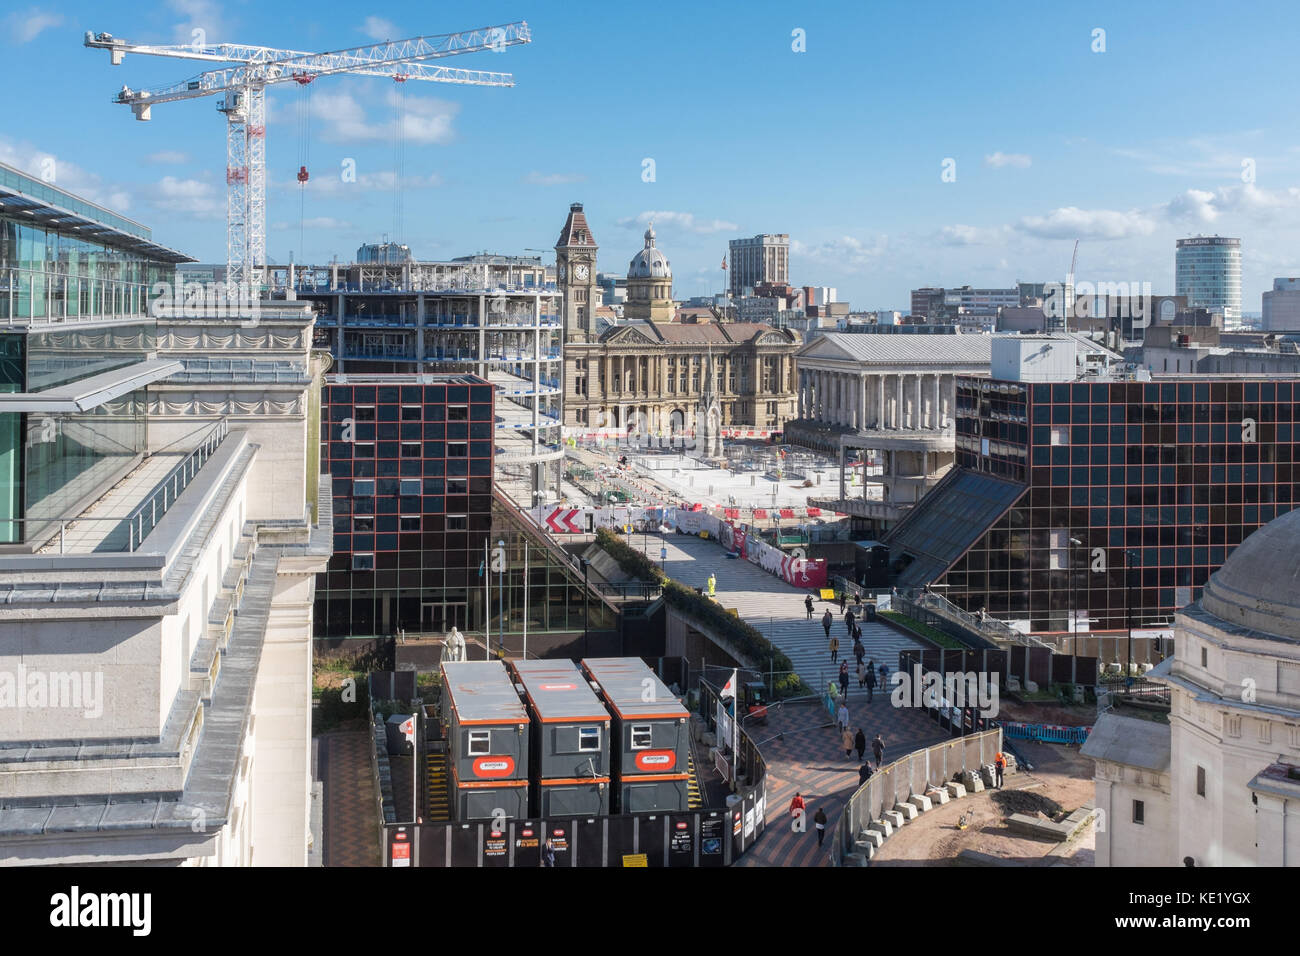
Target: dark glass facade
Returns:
[416, 523]
[1166, 477]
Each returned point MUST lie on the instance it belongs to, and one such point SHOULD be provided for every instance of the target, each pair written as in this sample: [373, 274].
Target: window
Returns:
[588, 738]
[363, 562]
[457, 413]
[411, 413]
[365, 413]
[363, 450]
[409, 523]
[640, 736]
[411, 486]
[1200, 781]
[457, 522]
[457, 486]
[363, 488]
[1205, 657]
[457, 449]
[1139, 812]
[480, 742]
[363, 524]
[410, 449]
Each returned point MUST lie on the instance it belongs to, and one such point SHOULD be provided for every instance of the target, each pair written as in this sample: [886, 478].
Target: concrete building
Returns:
[164, 520]
[1282, 306]
[1219, 782]
[892, 394]
[973, 309]
[763, 258]
[1208, 271]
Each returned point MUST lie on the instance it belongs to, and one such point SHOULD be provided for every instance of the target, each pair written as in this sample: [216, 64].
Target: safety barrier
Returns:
[1046, 733]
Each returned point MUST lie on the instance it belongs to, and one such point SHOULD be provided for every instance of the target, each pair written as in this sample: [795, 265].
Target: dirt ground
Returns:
[1043, 713]
[1060, 775]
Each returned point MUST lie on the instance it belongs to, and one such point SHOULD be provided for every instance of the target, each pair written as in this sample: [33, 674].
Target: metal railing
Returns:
[912, 600]
[145, 516]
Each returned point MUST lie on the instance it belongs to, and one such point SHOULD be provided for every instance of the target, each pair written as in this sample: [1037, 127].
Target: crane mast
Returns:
[241, 92]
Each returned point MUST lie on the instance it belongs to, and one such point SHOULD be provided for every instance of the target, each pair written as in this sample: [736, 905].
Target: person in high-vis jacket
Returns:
[999, 767]
[713, 586]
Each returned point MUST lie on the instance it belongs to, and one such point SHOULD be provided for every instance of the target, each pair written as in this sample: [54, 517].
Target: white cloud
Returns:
[64, 174]
[377, 28]
[960, 235]
[193, 198]
[553, 179]
[681, 220]
[1071, 222]
[167, 157]
[423, 119]
[847, 253]
[1247, 200]
[316, 222]
[998, 160]
[331, 184]
[26, 25]
[201, 23]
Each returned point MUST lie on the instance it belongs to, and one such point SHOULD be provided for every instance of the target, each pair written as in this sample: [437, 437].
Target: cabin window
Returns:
[480, 742]
[588, 738]
[640, 736]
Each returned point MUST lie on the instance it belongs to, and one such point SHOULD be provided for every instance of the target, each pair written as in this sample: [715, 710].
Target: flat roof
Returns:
[481, 692]
[622, 680]
[558, 691]
[405, 378]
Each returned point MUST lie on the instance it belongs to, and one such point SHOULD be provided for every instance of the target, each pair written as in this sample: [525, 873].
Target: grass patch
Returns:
[924, 630]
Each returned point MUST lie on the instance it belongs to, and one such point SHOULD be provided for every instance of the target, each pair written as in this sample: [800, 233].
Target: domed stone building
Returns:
[1219, 782]
[649, 284]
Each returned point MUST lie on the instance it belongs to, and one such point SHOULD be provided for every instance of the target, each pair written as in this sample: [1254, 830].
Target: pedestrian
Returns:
[808, 603]
[884, 676]
[857, 631]
[548, 854]
[844, 679]
[846, 738]
[848, 622]
[871, 683]
[826, 622]
[862, 675]
[878, 750]
[859, 651]
[860, 743]
[819, 818]
[835, 648]
[842, 715]
[1000, 767]
[864, 773]
[844, 599]
[796, 806]
[713, 585]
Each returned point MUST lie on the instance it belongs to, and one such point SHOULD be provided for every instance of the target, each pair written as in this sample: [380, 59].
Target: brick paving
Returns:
[351, 799]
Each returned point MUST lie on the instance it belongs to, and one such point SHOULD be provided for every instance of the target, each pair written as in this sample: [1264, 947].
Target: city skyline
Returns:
[880, 221]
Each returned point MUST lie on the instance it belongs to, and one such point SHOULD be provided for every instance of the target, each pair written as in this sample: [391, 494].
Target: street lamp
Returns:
[1074, 619]
[1128, 610]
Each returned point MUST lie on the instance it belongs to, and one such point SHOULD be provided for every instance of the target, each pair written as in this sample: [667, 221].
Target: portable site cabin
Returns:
[569, 740]
[650, 737]
[486, 727]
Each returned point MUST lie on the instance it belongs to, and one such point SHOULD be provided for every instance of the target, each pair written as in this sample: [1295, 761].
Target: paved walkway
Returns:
[351, 799]
[808, 756]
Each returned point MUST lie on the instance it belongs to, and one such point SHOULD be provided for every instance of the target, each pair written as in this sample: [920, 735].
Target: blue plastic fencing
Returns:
[1048, 733]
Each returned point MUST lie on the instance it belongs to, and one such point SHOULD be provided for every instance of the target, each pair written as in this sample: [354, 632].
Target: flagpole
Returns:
[525, 598]
[487, 606]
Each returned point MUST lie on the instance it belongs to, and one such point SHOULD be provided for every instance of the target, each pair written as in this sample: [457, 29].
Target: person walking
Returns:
[844, 679]
[862, 676]
[846, 738]
[878, 750]
[842, 715]
[827, 620]
[835, 648]
[848, 622]
[796, 806]
[808, 603]
[1000, 767]
[864, 773]
[871, 683]
[548, 854]
[844, 599]
[713, 585]
[819, 819]
[860, 743]
[884, 677]
[859, 651]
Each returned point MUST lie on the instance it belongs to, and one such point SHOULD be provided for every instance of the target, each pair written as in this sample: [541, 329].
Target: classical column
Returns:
[880, 400]
[917, 420]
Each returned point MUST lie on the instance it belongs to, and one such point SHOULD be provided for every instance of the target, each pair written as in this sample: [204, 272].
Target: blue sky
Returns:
[842, 145]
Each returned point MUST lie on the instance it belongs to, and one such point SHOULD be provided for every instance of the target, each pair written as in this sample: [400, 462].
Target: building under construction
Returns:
[493, 316]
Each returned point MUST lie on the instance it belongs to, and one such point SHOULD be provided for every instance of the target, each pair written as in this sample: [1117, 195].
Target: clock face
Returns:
[580, 273]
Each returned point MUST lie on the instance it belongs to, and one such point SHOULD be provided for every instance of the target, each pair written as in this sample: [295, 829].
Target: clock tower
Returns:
[575, 271]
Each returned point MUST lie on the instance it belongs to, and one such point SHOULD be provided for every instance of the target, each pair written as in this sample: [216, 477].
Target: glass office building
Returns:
[77, 348]
[1060, 485]
[417, 521]
[1208, 272]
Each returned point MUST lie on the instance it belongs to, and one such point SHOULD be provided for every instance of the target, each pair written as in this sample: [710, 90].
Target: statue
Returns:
[454, 646]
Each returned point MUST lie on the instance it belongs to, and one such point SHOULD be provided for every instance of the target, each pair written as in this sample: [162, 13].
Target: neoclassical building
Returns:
[1219, 783]
[652, 374]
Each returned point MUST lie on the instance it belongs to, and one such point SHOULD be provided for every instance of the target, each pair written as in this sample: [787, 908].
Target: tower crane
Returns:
[241, 89]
